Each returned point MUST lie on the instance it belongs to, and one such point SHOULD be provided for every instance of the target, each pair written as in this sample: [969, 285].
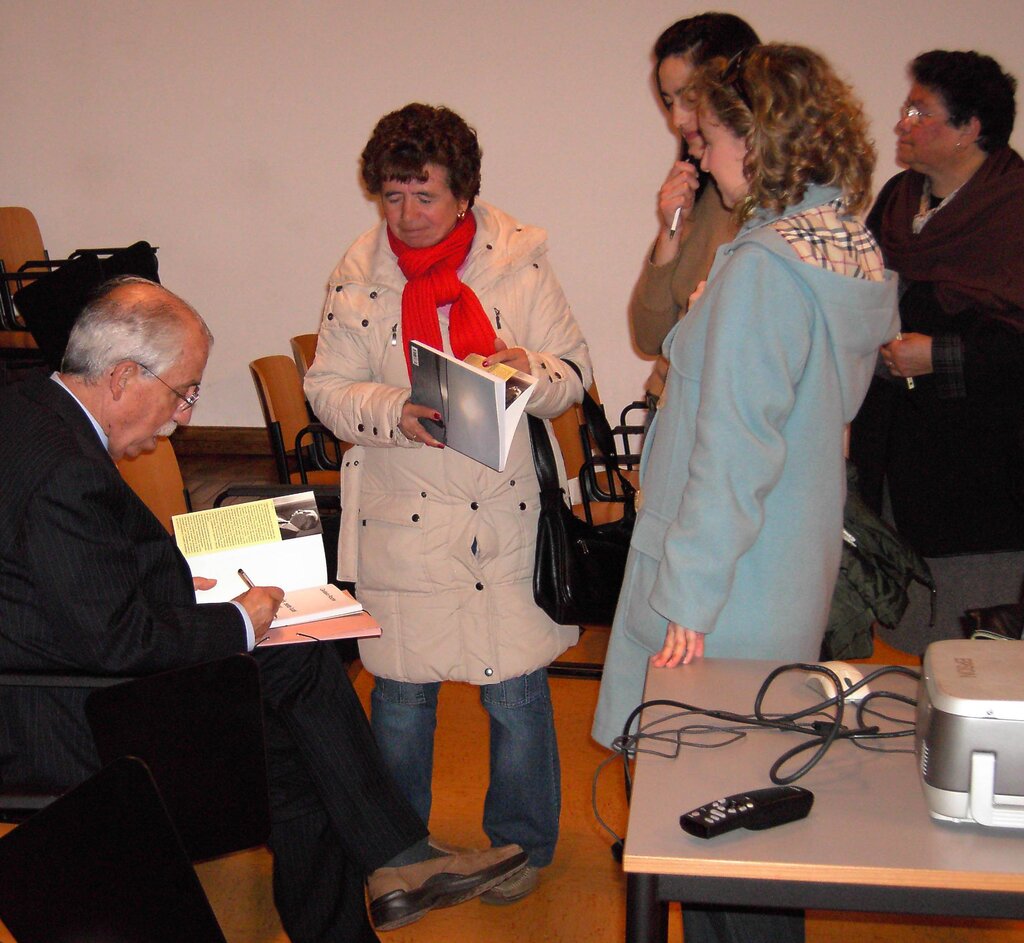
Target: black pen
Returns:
[245, 579]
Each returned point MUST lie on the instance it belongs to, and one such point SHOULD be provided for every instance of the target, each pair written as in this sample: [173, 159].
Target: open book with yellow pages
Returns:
[272, 542]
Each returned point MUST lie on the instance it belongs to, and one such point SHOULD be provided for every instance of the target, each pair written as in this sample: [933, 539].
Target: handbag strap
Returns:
[543, 457]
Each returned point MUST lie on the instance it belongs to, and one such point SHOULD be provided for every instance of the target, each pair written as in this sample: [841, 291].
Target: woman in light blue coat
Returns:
[736, 548]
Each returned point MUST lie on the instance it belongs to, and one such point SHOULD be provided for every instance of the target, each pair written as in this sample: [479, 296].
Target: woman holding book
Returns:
[441, 547]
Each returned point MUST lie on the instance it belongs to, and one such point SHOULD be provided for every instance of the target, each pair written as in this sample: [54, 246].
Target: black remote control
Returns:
[759, 808]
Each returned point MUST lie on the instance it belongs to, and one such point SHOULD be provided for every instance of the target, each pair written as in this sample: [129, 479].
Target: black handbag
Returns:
[578, 567]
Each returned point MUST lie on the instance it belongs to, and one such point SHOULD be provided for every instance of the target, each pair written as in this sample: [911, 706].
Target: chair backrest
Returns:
[304, 350]
[156, 478]
[569, 428]
[103, 862]
[20, 242]
[280, 391]
[285, 412]
[20, 239]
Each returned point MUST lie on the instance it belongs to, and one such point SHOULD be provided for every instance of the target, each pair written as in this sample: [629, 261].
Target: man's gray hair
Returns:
[111, 329]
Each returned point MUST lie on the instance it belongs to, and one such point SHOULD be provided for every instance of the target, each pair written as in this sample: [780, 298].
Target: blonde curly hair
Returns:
[802, 124]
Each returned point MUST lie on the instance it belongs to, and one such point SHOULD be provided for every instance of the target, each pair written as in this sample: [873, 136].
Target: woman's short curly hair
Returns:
[801, 122]
[405, 141]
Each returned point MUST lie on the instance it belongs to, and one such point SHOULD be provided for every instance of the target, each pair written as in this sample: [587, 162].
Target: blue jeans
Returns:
[524, 797]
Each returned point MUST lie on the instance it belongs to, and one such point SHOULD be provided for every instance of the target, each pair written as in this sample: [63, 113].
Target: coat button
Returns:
[522, 505]
[330, 317]
[374, 430]
[479, 585]
[360, 427]
[489, 246]
[365, 323]
[338, 288]
[415, 517]
[423, 494]
[475, 506]
[512, 482]
[373, 294]
[488, 672]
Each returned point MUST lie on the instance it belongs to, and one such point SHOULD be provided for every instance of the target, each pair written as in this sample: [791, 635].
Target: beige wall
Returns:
[228, 134]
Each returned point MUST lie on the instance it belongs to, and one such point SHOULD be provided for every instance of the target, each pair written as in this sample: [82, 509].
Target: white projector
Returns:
[970, 731]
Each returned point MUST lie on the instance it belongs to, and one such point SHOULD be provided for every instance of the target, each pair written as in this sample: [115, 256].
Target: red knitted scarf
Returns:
[432, 281]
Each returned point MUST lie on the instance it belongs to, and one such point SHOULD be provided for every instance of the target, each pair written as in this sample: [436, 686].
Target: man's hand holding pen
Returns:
[260, 602]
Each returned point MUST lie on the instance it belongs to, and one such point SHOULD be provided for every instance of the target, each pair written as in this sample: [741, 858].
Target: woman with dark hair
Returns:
[693, 221]
[939, 437]
[441, 547]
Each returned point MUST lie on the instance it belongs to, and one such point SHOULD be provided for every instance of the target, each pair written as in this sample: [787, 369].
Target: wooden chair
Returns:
[305, 451]
[156, 478]
[103, 862]
[304, 350]
[567, 428]
[20, 242]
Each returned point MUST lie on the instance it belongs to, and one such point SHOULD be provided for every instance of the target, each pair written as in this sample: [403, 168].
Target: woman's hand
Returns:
[515, 357]
[681, 647]
[409, 425]
[696, 293]
[908, 355]
[678, 192]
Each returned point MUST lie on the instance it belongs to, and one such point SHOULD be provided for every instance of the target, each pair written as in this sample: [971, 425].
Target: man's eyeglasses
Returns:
[188, 400]
[912, 114]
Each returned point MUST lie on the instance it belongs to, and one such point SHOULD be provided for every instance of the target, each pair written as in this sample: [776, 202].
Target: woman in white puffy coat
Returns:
[441, 547]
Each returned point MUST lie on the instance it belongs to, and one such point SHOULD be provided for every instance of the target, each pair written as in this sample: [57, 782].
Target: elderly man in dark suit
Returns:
[91, 582]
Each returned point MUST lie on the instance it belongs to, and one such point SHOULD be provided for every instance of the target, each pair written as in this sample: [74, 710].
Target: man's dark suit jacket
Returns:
[89, 583]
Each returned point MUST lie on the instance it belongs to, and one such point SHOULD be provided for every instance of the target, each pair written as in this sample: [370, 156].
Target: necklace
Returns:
[926, 211]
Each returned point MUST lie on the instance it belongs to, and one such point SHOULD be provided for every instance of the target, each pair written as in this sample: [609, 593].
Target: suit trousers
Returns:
[336, 813]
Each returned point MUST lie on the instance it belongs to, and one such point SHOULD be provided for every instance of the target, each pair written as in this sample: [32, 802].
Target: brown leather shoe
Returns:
[523, 883]
[401, 895]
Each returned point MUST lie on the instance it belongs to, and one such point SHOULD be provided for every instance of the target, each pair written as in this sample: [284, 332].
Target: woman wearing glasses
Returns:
[940, 430]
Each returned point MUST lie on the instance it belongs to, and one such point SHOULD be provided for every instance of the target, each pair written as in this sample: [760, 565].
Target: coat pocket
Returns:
[392, 531]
